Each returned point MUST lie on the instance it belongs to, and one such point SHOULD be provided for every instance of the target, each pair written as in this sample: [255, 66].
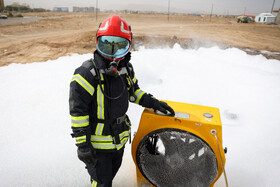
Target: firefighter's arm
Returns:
[81, 92]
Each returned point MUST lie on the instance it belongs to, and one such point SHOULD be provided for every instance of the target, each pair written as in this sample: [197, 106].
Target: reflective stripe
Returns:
[94, 183]
[80, 121]
[106, 142]
[99, 129]
[139, 93]
[134, 79]
[101, 138]
[100, 100]
[123, 142]
[123, 134]
[105, 27]
[100, 107]
[123, 30]
[84, 83]
[108, 138]
[81, 139]
[110, 145]
[128, 80]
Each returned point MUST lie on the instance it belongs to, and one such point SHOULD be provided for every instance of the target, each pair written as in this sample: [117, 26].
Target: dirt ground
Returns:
[60, 34]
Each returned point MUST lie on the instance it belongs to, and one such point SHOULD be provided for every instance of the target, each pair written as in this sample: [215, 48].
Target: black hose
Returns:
[108, 97]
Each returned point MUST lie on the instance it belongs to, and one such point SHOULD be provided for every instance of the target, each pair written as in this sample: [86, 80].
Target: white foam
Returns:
[37, 149]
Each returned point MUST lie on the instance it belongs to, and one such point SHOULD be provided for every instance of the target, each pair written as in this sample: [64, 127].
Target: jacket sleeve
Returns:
[81, 92]
[142, 98]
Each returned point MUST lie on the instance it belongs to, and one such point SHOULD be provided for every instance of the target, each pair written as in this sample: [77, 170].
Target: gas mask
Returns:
[112, 70]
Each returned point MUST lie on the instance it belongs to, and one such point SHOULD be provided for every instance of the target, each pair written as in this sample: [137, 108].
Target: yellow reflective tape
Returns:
[79, 117]
[98, 142]
[99, 129]
[123, 142]
[134, 79]
[108, 137]
[110, 145]
[84, 83]
[80, 139]
[79, 121]
[139, 93]
[80, 124]
[94, 183]
[139, 97]
[136, 92]
[100, 101]
[103, 117]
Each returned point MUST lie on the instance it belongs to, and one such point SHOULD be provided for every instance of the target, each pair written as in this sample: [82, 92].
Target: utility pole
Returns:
[96, 10]
[272, 6]
[168, 9]
[211, 12]
[244, 11]
[2, 5]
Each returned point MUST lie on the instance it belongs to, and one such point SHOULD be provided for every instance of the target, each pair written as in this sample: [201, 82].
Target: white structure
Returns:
[83, 9]
[265, 18]
[60, 9]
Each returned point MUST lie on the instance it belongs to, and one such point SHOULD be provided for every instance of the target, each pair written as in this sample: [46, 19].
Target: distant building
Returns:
[2, 6]
[277, 21]
[60, 9]
[84, 9]
[265, 18]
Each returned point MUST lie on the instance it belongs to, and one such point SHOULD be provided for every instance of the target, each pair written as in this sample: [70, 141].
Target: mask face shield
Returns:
[113, 46]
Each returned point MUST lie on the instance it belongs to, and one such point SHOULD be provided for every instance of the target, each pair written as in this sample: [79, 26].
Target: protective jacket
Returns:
[96, 119]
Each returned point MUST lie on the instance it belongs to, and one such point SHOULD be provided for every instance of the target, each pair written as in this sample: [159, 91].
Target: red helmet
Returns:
[113, 38]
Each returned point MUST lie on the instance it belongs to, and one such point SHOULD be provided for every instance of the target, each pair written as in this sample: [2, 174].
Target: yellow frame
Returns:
[197, 124]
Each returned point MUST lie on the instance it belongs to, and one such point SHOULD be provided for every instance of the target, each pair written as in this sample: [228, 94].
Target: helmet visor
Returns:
[113, 46]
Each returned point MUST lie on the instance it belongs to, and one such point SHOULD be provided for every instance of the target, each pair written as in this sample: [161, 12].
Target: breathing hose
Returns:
[108, 97]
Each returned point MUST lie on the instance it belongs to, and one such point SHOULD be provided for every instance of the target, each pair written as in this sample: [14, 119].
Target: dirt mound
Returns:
[58, 34]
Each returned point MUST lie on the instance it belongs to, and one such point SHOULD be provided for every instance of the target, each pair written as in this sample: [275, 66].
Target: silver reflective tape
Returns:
[123, 30]
[124, 134]
[81, 139]
[139, 93]
[100, 99]
[94, 183]
[122, 143]
[84, 84]
[100, 103]
[105, 27]
[99, 128]
[80, 121]
[103, 145]
[109, 138]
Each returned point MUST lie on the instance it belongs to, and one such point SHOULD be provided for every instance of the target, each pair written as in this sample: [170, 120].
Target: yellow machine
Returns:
[184, 150]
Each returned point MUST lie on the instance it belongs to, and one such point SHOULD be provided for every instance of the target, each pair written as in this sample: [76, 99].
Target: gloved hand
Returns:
[163, 107]
[87, 155]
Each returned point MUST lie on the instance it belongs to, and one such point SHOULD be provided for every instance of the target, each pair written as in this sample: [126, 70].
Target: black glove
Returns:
[87, 155]
[163, 107]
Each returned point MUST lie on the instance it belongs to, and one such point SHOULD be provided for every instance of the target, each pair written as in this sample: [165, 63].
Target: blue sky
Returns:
[185, 6]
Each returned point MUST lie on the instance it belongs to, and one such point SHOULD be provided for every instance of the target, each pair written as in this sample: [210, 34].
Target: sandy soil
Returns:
[59, 34]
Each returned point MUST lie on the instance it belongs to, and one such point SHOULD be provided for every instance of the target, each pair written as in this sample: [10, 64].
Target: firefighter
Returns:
[100, 91]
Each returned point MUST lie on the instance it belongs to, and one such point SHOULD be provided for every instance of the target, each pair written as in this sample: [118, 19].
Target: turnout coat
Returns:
[97, 119]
